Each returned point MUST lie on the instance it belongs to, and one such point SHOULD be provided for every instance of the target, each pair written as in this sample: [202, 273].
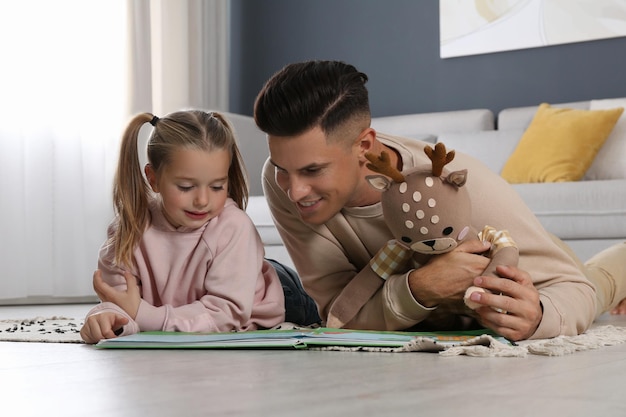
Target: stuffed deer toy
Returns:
[428, 211]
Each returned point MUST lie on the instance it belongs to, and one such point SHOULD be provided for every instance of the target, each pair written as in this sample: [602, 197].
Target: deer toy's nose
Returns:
[430, 243]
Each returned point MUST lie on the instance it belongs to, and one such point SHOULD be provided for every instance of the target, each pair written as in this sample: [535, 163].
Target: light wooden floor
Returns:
[44, 379]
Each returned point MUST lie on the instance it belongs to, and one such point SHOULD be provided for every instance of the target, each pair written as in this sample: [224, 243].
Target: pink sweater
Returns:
[211, 279]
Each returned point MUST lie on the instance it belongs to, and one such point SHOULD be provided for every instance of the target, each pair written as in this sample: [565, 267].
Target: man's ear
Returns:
[151, 176]
[365, 142]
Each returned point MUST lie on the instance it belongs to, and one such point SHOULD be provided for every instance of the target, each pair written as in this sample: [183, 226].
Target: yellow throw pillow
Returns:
[559, 145]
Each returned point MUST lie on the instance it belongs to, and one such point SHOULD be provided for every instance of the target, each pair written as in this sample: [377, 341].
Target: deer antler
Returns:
[439, 157]
[382, 165]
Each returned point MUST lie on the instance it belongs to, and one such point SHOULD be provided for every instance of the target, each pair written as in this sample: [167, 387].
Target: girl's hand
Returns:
[513, 293]
[128, 300]
[102, 326]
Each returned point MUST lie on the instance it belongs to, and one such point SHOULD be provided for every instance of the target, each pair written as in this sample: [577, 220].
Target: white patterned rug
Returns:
[58, 329]
[55, 329]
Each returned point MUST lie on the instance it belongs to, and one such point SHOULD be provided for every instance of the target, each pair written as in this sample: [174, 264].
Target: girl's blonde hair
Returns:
[192, 129]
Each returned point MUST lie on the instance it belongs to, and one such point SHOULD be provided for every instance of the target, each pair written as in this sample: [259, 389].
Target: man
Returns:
[317, 118]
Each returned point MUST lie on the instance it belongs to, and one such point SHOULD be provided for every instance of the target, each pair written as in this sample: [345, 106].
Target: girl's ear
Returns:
[151, 176]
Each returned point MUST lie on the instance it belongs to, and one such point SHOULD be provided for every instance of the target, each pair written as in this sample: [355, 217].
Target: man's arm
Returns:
[567, 298]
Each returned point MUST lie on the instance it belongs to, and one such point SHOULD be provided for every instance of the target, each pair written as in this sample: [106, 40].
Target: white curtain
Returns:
[73, 72]
[179, 55]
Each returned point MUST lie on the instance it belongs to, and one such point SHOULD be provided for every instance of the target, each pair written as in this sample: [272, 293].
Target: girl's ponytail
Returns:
[130, 193]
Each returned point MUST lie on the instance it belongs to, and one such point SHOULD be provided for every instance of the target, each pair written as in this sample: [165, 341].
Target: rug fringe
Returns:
[487, 346]
[592, 339]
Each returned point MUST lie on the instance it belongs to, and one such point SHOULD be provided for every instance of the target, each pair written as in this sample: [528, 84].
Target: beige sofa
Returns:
[590, 214]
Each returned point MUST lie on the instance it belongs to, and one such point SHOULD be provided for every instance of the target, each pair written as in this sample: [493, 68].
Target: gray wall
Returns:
[396, 43]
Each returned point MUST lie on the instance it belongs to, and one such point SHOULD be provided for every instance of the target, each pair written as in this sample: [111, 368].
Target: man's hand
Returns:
[102, 326]
[445, 277]
[620, 309]
[128, 300]
[514, 293]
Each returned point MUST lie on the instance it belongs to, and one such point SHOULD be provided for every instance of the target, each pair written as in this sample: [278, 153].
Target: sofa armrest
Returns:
[252, 144]
[259, 212]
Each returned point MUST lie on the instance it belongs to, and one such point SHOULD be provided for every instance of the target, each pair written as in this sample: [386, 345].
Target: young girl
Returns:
[181, 254]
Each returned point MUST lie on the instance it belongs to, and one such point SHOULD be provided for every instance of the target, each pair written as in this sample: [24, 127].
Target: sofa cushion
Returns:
[431, 124]
[579, 210]
[610, 163]
[520, 117]
[493, 148]
[559, 145]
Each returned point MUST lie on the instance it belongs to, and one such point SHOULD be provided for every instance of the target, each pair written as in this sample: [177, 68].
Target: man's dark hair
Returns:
[313, 93]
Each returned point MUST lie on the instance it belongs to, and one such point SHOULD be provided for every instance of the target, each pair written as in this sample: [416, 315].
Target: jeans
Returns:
[299, 306]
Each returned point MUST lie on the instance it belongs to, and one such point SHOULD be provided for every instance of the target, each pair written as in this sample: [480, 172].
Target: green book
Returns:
[302, 339]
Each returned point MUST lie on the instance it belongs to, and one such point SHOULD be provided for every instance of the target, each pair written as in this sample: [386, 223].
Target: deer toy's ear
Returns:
[457, 178]
[379, 182]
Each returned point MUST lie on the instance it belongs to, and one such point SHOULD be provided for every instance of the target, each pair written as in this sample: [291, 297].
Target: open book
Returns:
[306, 338]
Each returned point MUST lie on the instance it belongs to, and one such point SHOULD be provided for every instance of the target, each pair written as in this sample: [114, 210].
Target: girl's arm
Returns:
[110, 319]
